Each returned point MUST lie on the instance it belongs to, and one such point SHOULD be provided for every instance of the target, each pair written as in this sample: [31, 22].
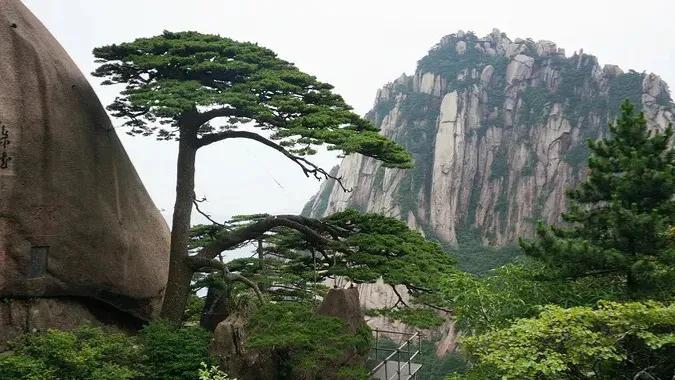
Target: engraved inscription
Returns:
[5, 158]
[38, 262]
[4, 137]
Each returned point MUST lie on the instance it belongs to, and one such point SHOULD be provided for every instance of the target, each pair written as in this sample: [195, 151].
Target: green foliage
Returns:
[309, 343]
[617, 341]
[475, 257]
[382, 109]
[84, 354]
[387, 248]
[91, 353]
[624, 87]
[577, 155]
[619, 217]
[179, 82]
[536, 103]
[174, 353]
[423, 318]
[368, 247]
[211, 373]
[664, 99]
[444, 59]
[528, 168]
[517, 291]
[435, 368]
[500, 164]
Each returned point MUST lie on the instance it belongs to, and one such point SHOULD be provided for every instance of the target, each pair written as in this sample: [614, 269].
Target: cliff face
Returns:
[497, 128]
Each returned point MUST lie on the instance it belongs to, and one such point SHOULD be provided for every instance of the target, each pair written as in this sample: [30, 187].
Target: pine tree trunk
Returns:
[180, 274]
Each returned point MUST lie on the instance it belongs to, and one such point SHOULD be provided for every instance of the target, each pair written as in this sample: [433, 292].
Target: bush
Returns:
[92, 353]
[87, 353]
[612, 341]
[174, 353]
[306, 343]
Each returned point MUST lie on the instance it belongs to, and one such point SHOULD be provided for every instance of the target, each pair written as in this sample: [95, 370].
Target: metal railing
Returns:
[414, 339]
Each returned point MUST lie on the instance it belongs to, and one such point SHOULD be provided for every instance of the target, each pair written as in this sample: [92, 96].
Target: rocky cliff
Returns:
[497, 128]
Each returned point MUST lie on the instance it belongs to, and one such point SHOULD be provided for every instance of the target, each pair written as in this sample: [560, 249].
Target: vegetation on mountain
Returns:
[619, 217]
[596, 298]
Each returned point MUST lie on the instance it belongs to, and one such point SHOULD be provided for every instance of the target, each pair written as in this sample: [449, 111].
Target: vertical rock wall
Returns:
[497, 128]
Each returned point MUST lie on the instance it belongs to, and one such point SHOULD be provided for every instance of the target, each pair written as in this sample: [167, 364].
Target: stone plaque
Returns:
[38, 262]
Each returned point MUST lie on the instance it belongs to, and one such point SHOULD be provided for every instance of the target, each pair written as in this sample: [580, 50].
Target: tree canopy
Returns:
[297, 252]
[200, 89]
[619, 217]
[188, 79]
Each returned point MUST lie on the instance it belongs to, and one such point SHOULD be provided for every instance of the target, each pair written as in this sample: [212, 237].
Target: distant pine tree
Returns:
[620, 218]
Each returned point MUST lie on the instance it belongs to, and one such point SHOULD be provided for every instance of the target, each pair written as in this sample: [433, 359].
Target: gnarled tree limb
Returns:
[308, 168]
[200, 264]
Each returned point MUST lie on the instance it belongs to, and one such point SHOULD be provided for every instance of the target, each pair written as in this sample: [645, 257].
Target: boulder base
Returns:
[75, 219]
[19, 316]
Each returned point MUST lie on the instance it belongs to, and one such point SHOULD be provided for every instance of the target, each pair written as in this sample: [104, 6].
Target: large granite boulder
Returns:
[75, 219]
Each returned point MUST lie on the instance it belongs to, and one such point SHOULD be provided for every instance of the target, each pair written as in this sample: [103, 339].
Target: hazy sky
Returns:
[357, 45]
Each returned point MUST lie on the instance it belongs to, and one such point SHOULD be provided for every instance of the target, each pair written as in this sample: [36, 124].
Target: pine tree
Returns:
[200, 89]
[619, 219]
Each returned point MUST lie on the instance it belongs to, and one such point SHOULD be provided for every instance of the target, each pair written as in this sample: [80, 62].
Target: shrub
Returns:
[93, 353]
[174, 353]
[87, 353]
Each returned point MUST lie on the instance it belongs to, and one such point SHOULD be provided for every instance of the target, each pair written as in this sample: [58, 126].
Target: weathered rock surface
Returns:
[75, 219]
[343, 304]
[18, 316]
[497, 128]
[230, 336]
[228, 346]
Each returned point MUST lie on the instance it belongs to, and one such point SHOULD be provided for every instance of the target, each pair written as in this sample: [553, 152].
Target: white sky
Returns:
[356, 45]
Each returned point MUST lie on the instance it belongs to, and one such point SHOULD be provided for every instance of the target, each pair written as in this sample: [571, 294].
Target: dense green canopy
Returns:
[618, 219]
[356, 246]
[190, 79]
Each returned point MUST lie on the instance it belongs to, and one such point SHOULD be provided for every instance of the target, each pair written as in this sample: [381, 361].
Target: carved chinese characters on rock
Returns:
[5, 142]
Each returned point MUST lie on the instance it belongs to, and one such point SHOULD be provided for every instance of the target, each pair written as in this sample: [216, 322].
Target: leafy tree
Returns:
[172, 353]
[516, 291]
[612, 341]
[178, 86]
[313, 345]
[618, 219]
[297, 253]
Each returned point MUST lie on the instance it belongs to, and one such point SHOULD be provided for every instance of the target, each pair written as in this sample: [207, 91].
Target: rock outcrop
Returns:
[75, 219]
[18, 316]
[244, 363]
[497, 128]
[378, 295]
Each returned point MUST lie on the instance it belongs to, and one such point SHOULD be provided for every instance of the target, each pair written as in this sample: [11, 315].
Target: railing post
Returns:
[407, 345]
[398, 361]
[377, 339]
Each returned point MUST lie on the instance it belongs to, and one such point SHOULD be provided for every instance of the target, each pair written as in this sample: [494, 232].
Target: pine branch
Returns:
[308, 168]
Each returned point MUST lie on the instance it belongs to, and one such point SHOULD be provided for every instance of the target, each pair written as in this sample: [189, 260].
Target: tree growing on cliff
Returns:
[298, 253]
[619, 218]
[201, 89]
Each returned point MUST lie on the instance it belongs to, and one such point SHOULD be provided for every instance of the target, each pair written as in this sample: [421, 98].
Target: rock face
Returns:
[343, 304]
[18, 316]
[230, 336]
[497, 128]
[75, 219]
[228, 346]
[378, 295]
